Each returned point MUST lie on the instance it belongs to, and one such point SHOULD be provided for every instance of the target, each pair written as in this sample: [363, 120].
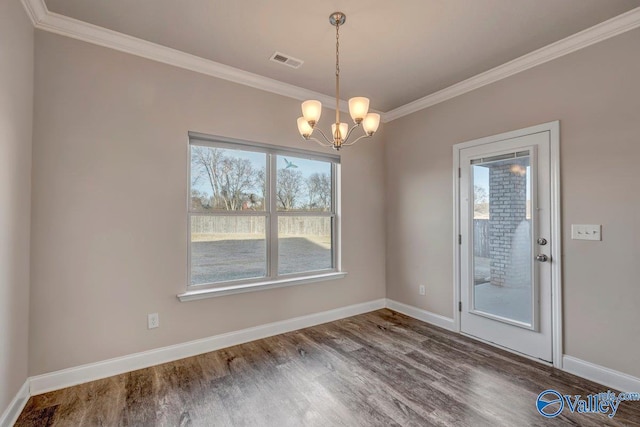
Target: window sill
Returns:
[260, 286]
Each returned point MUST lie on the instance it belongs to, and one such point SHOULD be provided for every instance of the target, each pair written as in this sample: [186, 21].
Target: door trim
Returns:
[556, 226]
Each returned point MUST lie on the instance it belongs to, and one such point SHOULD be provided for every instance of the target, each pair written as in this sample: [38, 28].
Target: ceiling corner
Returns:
[36, 10]
[615, 26]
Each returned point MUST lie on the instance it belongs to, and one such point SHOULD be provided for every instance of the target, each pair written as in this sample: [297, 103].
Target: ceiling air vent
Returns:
[287, 60]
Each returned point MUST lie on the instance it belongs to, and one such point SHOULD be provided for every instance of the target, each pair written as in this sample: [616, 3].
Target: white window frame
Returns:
[271, 215]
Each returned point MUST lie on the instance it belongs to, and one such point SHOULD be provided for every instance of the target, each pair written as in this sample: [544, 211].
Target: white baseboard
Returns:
[420, 314]
[605, 376]
[590, 371]
[94, 371]
[13, 411]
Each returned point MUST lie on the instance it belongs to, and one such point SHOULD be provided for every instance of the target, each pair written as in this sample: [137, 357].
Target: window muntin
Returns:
[259, 213]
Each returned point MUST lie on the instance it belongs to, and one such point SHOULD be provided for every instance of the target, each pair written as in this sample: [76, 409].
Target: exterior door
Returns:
[505, 242]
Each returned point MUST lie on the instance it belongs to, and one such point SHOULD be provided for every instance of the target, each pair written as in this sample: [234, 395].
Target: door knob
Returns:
[542, 258]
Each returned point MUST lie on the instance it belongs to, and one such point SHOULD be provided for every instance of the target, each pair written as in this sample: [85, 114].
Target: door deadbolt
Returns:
[542, 241]
[542, 258]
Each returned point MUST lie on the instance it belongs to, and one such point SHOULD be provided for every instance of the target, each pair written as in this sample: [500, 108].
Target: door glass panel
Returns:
[502, 233]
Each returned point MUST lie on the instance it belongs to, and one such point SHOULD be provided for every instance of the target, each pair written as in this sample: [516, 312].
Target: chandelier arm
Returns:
[346, 138]
[357, 139]
[320, 142]
[329, 141]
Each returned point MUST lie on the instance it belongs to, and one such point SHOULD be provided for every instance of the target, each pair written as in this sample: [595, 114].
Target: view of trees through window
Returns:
[230, 210]
[233, 180]
[229, 180]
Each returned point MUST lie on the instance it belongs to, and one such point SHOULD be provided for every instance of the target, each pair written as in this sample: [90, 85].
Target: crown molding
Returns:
[603, 31]
[45, 20]
[36, 10]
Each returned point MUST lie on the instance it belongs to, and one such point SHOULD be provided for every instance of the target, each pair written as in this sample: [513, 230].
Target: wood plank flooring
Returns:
[376, 369]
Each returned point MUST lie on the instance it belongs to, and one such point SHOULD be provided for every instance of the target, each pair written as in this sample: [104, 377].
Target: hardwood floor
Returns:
[376, 369]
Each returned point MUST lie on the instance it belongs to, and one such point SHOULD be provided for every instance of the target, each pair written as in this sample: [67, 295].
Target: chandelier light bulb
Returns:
[342, 131]
[304, 128]
[358, 108]
[311, 111]
[371, 123]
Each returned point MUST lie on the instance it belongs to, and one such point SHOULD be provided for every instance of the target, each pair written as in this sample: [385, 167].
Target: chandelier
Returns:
[358, 109]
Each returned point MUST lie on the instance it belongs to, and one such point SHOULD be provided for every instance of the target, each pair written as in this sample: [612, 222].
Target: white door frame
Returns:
[555, 239]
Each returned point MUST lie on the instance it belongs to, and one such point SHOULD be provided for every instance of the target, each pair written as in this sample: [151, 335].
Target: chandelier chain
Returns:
[337, 49]
[337, 73]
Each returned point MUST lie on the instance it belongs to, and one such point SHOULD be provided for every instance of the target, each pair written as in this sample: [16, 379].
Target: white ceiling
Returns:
[391, 52]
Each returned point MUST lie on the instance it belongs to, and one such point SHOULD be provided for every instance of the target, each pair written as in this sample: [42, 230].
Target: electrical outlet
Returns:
[422, 290]
[153, 320]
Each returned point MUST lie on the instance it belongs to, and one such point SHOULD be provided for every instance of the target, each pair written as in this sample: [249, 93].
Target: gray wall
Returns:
[109, 187]
[109, 205]
[595, 93]
[16, 115]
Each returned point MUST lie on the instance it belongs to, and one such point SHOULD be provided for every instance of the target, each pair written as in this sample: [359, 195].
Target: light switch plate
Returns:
[586, 232]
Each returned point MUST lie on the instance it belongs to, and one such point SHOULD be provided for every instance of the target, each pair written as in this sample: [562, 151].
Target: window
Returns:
[259, 214]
